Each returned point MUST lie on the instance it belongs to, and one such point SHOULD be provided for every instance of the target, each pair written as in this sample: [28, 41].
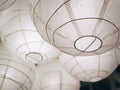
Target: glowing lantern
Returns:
[20, 37]
[14, 74]
[90, 68]
[78, 27]
[53, 77]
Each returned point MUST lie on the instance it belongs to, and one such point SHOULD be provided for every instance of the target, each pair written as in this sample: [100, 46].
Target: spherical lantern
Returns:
[20, 37]
[90, 68]
[52, 77]
[78, 27]
[14, 74]
[4, 4]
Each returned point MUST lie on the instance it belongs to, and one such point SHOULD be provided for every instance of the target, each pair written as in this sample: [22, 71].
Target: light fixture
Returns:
[20, 37]
[55, 78]
[4, 4]
[78, 27]
[86, 31]
[15, 74]
[90, 68]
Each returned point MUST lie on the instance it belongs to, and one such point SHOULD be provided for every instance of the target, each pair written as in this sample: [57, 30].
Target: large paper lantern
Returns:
[78, 27]
[14, 74]
[53, 77]
[20, 37]
[4, 4]
[90, 68]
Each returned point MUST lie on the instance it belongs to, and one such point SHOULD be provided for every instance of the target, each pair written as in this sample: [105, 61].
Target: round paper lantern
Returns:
[78, 27]
[4, 4]
[90, 68]
[20, 37]
[14, 74]
[53, 77]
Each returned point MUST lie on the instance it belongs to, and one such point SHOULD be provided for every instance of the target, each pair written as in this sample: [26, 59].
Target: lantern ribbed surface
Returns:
[14, 74]
[118, 54]
[5, 4]
[55, 78]
[20, 37]
[90, 68]
[78, 27]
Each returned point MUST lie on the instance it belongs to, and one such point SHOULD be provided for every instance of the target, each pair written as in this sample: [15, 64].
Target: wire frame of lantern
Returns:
[57, 81]
[21, 38]
[19, 5]
[14, 74]
[78, 27]
[5, 4]
[90, 68]
[110, 83]
[118, 54]
[53, 77]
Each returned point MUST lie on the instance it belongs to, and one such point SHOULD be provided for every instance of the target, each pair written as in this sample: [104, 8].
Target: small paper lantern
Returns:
[14, 74]
[4, 4]
[76, 27]
[90, 68]
[53, 77]
[20, 37]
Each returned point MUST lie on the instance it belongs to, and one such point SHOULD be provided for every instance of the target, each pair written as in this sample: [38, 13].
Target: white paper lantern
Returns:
[78, 27]
[4, 4]
[21, 38]
[90, 68]
[53, 77]
[14, 74]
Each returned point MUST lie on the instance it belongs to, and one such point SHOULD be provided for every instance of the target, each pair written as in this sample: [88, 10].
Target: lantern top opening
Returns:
[34, 56]
[88, 43]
